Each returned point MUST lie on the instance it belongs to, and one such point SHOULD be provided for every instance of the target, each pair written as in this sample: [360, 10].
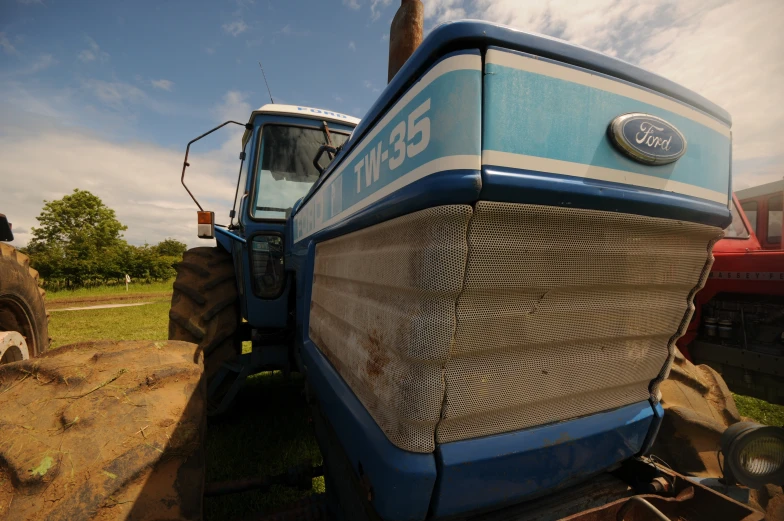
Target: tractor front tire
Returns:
[103, 430]
[698, 408]
[205, 307]
[22, 307]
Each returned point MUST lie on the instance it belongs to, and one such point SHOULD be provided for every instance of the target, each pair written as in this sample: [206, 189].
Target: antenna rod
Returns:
[265, 83]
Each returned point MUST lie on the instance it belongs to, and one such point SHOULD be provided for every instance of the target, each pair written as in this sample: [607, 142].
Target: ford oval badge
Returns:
[647, 139]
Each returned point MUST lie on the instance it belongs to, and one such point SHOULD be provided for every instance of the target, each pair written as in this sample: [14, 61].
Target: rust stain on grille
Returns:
[377, 358]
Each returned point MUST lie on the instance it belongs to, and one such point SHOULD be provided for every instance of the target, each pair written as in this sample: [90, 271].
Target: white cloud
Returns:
[286, 29]
[352, 46]
[44, 61]
[114, 93]
[209, 50]
[376, 6]
[140, 181]
[93, 52]
[233, 106]
[727, 50]
[125, 98]
[338, 99]
[162, 84]
[367, 84]
[6, 45]
[351, 4]
[235, 28]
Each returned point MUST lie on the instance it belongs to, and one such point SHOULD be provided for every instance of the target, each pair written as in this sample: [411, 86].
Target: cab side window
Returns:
[736, 229]
[774, 219]
[750, 208]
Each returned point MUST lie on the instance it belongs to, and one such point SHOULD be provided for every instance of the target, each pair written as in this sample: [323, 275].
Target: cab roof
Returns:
[306, 112]
[756, 191]
[300, 112]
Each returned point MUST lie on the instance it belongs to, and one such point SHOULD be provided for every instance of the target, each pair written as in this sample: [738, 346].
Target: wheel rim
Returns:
[14, 316]
[13, 347]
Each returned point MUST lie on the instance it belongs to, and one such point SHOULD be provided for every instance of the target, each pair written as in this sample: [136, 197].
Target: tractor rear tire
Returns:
[103, 430]
[22, 307]
[205, 307]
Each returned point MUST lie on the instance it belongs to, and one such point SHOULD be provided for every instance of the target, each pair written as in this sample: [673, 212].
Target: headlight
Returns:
[753, 454]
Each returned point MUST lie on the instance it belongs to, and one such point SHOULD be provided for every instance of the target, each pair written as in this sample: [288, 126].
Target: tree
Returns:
[79, 242]
[78, 220]
[79, 239]
[171, 248]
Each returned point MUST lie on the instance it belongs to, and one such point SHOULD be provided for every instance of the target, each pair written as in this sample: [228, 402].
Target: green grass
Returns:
[109, 291]
[148, 322]
[760, 410]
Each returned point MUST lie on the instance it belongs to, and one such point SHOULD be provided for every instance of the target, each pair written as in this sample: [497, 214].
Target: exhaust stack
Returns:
[405, 34]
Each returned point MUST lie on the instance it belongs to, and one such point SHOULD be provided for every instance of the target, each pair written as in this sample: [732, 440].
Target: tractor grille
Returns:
[454, 323]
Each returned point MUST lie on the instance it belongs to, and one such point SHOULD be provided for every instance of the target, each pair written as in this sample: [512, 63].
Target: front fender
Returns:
[224, 239]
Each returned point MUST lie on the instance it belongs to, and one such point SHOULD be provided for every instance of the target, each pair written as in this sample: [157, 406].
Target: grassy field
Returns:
[268, 430]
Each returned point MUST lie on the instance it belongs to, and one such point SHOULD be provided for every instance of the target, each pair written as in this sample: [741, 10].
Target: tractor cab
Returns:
[277, 170]
[282, 158]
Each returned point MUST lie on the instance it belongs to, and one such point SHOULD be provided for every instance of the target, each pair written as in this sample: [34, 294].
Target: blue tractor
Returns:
[482, 282]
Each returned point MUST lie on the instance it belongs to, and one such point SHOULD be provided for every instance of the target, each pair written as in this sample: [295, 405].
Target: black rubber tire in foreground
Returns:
[204, 306]
[22, 307]
[103, 430]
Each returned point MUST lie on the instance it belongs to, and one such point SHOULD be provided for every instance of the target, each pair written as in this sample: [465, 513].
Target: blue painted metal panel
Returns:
[508, 468]
[422, 134]
[448, 187]
[525, 186]
[530, 116]
[474, 34]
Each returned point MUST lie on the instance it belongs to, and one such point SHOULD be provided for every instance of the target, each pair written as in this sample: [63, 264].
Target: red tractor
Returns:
[738, 323]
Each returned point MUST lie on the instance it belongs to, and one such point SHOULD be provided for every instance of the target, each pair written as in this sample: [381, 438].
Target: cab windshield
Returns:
[286, 172]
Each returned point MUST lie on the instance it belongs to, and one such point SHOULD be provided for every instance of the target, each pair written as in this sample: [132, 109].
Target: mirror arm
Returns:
[185, 163]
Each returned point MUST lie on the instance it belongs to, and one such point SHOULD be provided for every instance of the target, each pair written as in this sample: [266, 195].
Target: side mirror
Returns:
[323, 148]
[206, 222]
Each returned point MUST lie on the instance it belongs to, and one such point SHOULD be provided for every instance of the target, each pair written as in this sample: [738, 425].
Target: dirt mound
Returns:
[103, 430]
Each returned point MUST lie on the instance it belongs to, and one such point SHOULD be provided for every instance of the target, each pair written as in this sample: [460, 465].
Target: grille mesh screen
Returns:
[528, 315]
[565, 312]
[383, 312]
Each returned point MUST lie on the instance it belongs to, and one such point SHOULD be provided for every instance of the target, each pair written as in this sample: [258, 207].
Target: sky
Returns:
[105, 95]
